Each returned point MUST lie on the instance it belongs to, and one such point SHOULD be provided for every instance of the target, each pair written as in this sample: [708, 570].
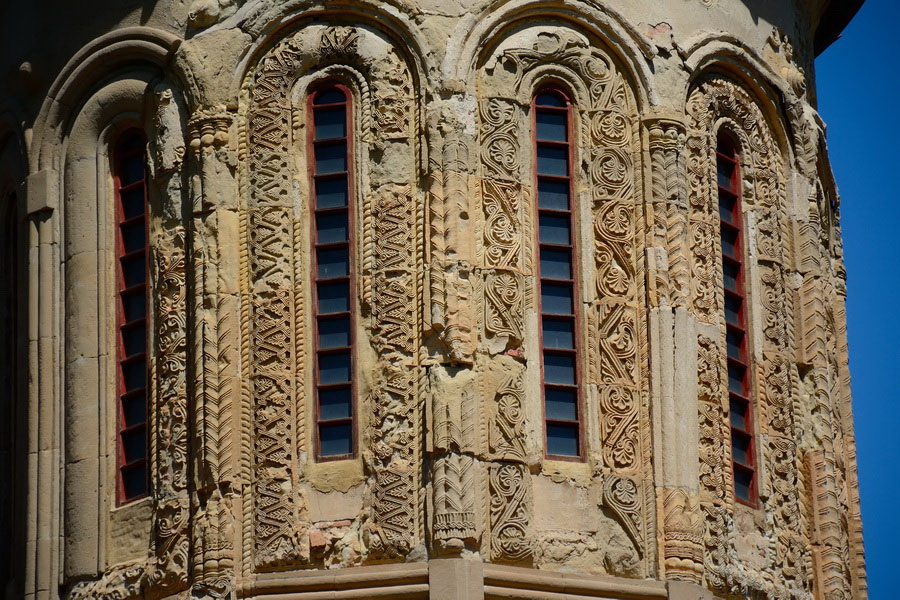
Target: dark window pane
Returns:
[730, 271]
[334, 368]
[734, 340]
[559, 333]
[134, 444]
[134, 410]
[134, 270]
[733, 309]
[330, 123]
[562, 440]
[553, 195]
[551, 125]
[729, 243]
[134, 236]
[561, 405]
[331, 193]
[331, 158]
[330, 96]
[740, 447]
[559, 368]
[549, 99]
[726, 207]
[335, 440]
[556, 264]
[739, 413]
[555, 229]
[134, 305]
[552, 160]
[736, 379]
[334, 333]
[742, 483]
[556, 298]
[132, 169]
[130, 142]
[134, 374]
[334, 404]
[334, 297]
[724, 171]
[134, 481]
[333, 262]
[332, 227]
[134, 339]
[132, 202]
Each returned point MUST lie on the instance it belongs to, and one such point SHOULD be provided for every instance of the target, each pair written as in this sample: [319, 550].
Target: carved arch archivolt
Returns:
[610, 228]
[718, 102]
[275, 292]
[145, 98]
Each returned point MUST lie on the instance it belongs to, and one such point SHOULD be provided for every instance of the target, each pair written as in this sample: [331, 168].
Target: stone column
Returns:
[214, 262]
[42, 530]
[673, 346]
[453, 410]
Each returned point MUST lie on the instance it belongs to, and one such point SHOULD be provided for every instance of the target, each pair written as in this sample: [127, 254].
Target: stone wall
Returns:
[450, 493]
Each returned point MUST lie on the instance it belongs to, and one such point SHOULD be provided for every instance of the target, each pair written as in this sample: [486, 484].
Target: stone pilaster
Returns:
[214, 348]
[673, 347]
[452, 443]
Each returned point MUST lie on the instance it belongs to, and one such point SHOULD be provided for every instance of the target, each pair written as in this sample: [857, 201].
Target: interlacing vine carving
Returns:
[389, 290]
[606, 145]
[510, 490]
[719, 102]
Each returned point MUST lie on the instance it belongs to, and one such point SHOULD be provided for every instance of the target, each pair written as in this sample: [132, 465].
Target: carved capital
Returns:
[664, 133]
[208, 129]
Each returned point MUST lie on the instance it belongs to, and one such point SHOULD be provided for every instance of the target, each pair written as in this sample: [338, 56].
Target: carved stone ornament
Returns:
[720, 102]
[683, 545]
[276, 346]
[606, 144]
[510, 507]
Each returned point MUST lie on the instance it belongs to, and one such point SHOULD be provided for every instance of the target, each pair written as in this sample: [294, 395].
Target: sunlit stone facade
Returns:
[453, 300]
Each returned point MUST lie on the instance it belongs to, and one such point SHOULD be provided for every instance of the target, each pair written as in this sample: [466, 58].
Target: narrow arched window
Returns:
[333, 268]
[557, 269]
[130, 181]
[728, 175]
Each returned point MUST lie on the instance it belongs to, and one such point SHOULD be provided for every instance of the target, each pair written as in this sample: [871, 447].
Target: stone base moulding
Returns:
[458, 579]
[507, 583]
[403, 581]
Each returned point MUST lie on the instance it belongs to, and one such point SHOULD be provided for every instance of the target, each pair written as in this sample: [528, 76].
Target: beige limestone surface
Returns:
[450, 493]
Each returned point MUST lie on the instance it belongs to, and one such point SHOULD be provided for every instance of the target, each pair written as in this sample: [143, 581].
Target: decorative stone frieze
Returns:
[449, 491]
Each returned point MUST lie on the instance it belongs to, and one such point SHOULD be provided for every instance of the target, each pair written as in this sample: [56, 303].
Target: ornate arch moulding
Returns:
[705, 48]
[276, 520]
[716, 101]
[164, 567]
[476, 34]
[129, 44]
[268, 32]
[797, 126]
[606, 136]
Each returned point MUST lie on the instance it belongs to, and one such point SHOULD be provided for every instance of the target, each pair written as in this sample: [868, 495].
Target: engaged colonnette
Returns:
[443, 299]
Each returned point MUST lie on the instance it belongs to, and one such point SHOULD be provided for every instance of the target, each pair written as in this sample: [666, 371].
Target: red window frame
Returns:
[131, 299]
[573, 317]
[740, 369]
[314, 148]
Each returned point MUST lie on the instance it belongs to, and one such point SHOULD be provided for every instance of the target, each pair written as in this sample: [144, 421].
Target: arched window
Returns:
[333, 268]
[130, 181]
[557, 273]
[728, 174]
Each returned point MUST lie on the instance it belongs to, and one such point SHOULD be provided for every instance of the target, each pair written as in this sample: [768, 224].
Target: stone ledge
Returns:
[402, 581]
[502, 581]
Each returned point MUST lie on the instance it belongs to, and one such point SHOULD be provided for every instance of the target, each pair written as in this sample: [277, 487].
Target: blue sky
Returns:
[857, 80]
